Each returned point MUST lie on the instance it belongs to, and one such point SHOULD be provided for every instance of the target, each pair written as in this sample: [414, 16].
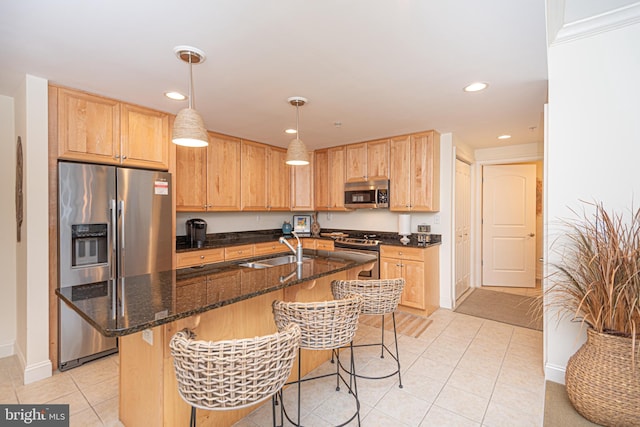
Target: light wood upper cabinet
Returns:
[415, 172]
[88, 127]
[321, 179]
[302, 187]
[265, 178]
[378, 159]
[336, 178]
[101, 130]
[253, 176]
[144, 138]
[367, 161]
[329, 176]
[208, 178]
[191, 179]
[356, 162]
[223, 171]
[279, 180]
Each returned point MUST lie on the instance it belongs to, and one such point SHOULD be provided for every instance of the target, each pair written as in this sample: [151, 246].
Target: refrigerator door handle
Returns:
[122, 241]
[114, 248]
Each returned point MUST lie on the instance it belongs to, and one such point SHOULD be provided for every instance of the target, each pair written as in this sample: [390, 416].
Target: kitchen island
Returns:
[217, 301]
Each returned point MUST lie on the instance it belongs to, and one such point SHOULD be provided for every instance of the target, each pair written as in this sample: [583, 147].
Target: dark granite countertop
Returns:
[220, 240]
[128, 305]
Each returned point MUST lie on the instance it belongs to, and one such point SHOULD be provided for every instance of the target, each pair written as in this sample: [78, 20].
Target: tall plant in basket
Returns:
[597, 282]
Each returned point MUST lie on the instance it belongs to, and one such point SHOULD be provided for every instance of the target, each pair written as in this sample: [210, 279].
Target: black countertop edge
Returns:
[220, 240]
[361, 259]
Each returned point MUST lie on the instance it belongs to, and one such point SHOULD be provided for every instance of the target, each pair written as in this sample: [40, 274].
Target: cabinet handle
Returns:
[201, 256]
[116, 156]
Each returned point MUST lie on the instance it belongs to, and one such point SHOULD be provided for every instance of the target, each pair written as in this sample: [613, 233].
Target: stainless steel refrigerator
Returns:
[112, 223]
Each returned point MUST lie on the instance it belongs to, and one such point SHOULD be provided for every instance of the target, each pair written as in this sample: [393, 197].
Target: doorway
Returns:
[462, 228]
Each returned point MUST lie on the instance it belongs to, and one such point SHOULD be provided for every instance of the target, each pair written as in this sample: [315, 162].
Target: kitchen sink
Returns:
[272, 262]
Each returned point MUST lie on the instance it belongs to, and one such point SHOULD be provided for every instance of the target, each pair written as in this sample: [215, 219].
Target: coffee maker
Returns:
[196, 232]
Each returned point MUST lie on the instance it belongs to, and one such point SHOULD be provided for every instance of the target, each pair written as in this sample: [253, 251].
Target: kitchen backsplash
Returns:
[365, 219]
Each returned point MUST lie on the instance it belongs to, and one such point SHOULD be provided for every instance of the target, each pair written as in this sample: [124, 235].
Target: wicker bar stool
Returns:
[326, 325]
[379, 297]
[233, 374]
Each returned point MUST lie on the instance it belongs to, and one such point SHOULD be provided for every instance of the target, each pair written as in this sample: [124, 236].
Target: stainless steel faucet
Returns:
[297, 251]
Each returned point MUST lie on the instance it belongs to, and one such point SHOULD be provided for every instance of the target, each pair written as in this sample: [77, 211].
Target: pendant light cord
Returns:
[190, 83]
[297, 121]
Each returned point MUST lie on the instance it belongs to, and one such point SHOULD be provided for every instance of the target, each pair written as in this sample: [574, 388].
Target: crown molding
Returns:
[607, 21]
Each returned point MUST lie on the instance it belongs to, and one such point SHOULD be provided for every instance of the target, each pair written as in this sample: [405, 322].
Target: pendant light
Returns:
[188, 128]
[297, 154]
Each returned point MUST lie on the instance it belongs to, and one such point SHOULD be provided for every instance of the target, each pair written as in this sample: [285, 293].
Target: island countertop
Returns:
[129, 305]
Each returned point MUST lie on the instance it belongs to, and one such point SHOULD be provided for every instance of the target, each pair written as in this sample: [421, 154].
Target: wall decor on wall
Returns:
[19, 204]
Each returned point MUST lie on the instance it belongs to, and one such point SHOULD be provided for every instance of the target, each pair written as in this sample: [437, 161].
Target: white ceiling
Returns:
[380, 67]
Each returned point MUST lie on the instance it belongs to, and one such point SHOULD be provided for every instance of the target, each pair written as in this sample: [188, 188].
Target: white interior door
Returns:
[508, 225]
[463, 228]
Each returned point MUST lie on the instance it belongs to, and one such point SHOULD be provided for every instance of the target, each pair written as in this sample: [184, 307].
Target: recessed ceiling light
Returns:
[475, 87]
[504, 136]
[176, 96]
[291, 131]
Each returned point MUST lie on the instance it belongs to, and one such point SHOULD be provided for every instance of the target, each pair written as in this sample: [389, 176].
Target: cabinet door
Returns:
[321, 179]
[302, 187]
[390, 268]
[399, 165]
[191, 179]
[238, 252]
[145, 137]
[425, 172]
[199, 257]
[378, 159]
[88, 127]
[254, 176]
[279, 180]
[267, 248]
[223, 173]
[413, 293]
[336, 178]
[356, 162]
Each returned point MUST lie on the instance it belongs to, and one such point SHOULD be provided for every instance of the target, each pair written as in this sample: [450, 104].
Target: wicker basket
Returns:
[601, 382]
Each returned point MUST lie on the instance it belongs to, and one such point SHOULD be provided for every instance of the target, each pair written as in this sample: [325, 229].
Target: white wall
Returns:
[32, 259]
[592, 148]
[7, 228]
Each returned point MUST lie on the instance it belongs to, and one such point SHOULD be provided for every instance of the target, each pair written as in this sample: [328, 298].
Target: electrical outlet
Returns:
[257, 218]
[329, 216]
[436, 219]
[147, 336]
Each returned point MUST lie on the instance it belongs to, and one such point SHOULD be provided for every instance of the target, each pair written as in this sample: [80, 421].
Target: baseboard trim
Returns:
[37, 372]
[7, 349]
[554, 373]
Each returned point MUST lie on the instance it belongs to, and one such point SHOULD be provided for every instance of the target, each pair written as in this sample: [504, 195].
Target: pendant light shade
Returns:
[297, 154]
[188, 127]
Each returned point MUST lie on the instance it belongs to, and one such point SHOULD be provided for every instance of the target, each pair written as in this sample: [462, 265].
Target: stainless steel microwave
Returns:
[367, 194]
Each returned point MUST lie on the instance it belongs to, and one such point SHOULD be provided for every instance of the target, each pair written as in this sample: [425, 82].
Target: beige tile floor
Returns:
[463, 371]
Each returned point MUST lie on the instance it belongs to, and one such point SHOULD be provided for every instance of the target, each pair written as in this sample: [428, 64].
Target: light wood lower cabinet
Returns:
[238, 252]
[268, 248]
[199, 257]
[318, 244]
[420, 269]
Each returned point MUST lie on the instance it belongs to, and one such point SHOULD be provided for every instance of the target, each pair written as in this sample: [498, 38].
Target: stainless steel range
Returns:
[368, 245]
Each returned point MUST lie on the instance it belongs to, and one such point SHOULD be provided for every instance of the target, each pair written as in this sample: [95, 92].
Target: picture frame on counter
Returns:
[302, 225]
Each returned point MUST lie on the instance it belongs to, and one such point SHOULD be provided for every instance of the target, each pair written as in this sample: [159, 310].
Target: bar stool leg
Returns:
[299, 384]
[382, 347]
[395, 337]
[192, 423]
